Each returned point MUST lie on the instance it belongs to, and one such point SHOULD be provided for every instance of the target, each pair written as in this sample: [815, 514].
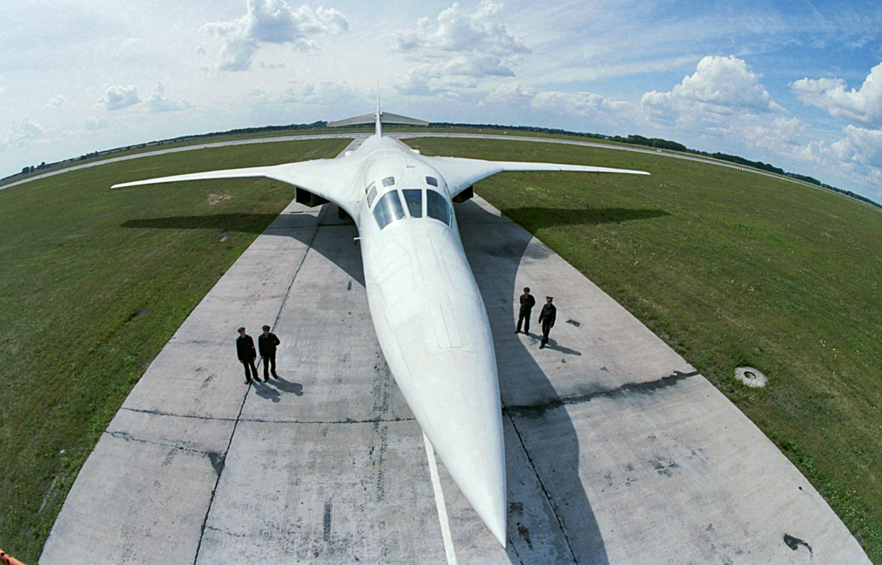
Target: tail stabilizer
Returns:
[378, 118]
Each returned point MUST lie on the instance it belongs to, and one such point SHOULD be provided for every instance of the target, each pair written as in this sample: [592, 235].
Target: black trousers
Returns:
[546, 329]
[524, 316]
[266, 367]
[249, 366]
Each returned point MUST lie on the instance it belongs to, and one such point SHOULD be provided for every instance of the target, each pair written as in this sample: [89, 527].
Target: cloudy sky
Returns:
[794, 83]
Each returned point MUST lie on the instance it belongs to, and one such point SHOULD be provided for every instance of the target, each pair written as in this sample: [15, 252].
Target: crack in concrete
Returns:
[347, 421]
[169, 414]
[126, 436]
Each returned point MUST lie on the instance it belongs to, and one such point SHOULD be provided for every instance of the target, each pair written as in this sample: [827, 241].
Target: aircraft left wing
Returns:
[462, 173]
[332, 179]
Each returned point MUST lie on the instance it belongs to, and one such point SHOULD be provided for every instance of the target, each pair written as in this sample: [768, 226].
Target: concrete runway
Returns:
[617, 450]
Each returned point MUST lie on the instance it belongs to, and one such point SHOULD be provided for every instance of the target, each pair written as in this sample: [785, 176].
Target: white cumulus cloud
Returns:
[861, 146]
[21, 133]
[119, 97]
[863, 106]
[159, 103]
[723, 85]
[598, 109]
[272, 21]
[26, 129]
[459, 50]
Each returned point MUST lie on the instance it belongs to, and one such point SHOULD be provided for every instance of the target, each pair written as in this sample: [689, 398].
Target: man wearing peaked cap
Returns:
[546, 318]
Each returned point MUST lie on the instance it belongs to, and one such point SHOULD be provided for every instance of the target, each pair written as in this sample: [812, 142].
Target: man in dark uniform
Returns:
[247, 354]
[527, 303]
[546, 318]
[266, 344]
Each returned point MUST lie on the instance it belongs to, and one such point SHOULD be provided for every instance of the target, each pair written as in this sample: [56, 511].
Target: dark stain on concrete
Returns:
[539, 410]
[524, 532]
[664, 466]
[217, 461]
[794, 543]
[326, 522]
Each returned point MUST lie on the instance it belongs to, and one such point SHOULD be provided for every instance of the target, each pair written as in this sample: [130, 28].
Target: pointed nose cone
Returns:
[493, 512]
[462, 417]
[475, 458]
[482, 481]
[455, 398]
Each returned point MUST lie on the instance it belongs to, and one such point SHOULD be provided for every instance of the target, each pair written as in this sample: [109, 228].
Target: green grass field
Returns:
[730, 267]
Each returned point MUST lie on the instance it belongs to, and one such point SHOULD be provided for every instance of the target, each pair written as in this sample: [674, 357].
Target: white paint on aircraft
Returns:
[426, 308]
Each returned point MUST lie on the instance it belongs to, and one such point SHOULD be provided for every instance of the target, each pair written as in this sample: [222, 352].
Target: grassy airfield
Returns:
[729, 267]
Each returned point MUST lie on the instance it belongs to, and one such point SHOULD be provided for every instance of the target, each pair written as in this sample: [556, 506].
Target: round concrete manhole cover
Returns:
[750, 377]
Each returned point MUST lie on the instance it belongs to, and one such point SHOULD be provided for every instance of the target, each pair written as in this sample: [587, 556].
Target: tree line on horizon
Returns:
[657, 143]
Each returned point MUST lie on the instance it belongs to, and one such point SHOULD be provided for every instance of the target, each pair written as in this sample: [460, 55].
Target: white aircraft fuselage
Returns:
[431, 322]
[426, 307]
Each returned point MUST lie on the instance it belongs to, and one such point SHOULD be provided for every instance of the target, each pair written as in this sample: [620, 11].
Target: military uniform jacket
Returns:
[267, 344]
[548, 315]
[245, 348]
[527, 303]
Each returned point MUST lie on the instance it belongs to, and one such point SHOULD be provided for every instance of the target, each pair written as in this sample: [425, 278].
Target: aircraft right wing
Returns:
[331, 179]
[462, 173]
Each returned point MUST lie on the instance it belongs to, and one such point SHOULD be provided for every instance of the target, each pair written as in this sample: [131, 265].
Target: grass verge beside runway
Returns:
[93, 284]
[731, 268]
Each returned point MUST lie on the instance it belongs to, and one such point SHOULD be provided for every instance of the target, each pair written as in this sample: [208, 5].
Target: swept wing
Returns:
[461, 173]
[331, 179]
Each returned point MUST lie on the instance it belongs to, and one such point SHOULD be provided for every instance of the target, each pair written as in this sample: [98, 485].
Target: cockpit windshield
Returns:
[437, 207]
[390, 207]
[413, 197]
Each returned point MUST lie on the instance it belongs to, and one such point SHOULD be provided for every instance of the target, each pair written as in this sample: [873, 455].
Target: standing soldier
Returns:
[546, 318]
[247, 354]
[527, 303]
[266, 344]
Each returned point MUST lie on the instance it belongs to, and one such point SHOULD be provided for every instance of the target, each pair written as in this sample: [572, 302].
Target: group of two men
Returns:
[266, 343]
[546, 317]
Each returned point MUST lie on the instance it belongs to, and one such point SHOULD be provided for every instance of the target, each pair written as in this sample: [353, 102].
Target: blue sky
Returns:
[795, 84]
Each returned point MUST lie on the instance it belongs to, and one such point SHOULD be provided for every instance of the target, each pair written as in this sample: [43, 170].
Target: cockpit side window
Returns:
[389, 181]
[437, 207]
[432, 180]
[388, 209]
[413, 197]
[371, 192]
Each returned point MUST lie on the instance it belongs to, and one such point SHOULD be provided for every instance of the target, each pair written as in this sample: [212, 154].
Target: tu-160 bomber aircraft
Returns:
[426, 308]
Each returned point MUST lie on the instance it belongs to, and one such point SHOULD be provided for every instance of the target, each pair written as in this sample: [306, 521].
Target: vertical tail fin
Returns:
[379, 117]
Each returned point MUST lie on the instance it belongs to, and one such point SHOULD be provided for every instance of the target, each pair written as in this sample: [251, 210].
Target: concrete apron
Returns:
[617, 450]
